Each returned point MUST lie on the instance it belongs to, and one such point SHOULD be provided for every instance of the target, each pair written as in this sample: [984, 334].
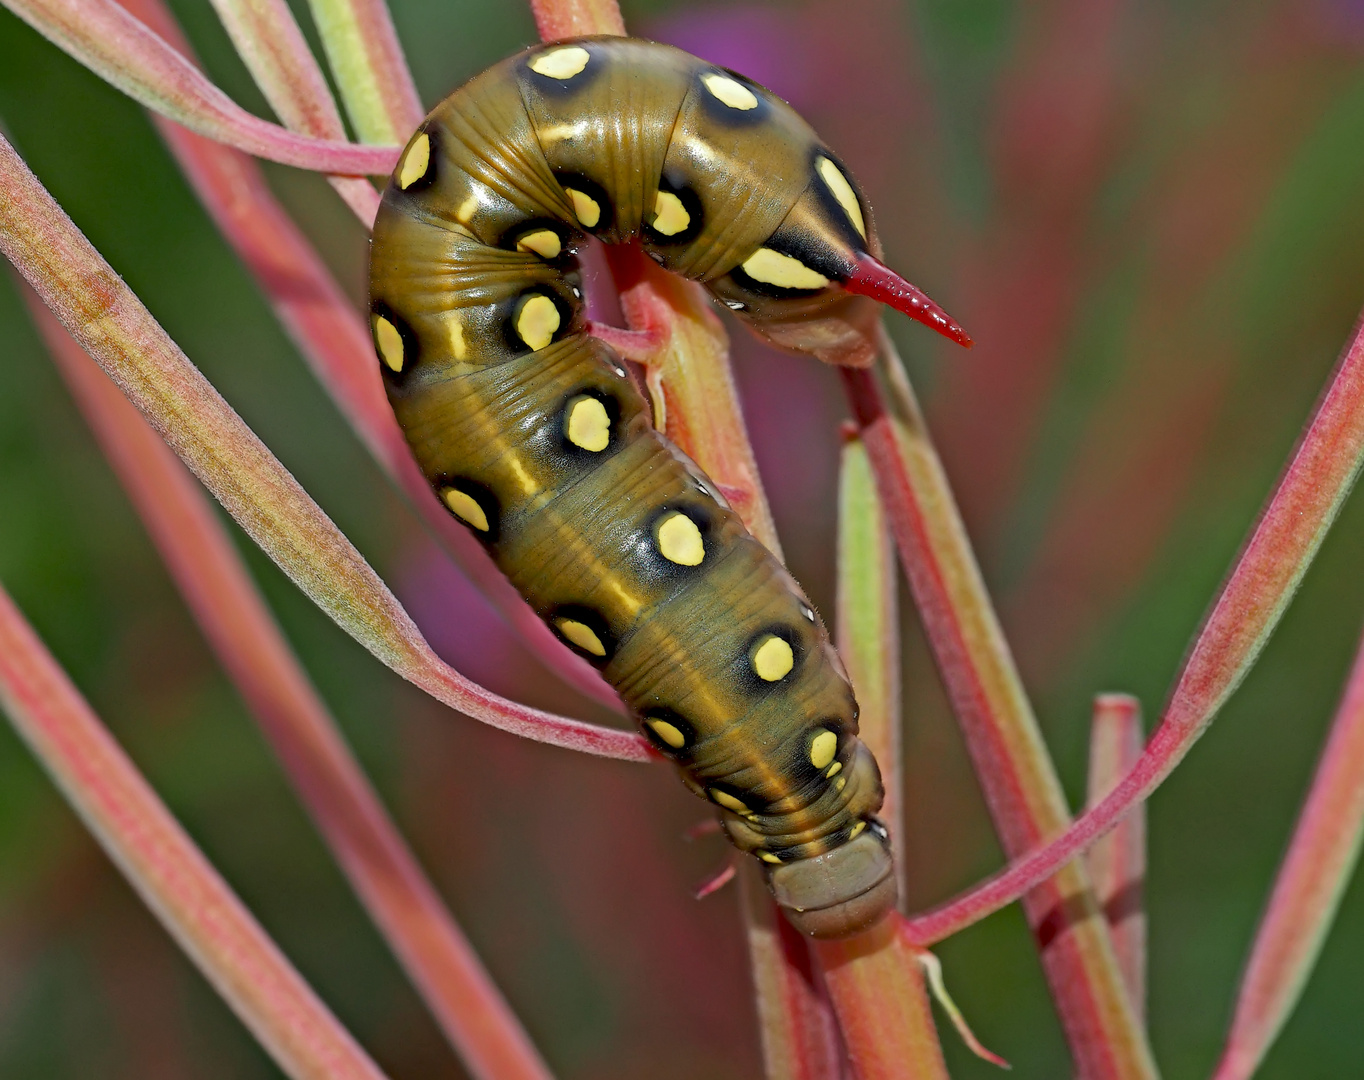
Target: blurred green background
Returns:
[1147, 212]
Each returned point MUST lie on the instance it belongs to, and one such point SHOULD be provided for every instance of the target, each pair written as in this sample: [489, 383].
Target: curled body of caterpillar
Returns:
[533, 435]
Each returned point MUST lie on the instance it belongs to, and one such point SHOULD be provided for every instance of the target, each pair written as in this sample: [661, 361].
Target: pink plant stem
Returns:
[164, 866]
[556, 19]
[113, 326]
[877, 987]
[218, 589]
[120, 49]
[1321, 859]
[1010, 758]
[272, 46]
[1309, 494]
[1117, 863]
[796, 1024]
[690, 371]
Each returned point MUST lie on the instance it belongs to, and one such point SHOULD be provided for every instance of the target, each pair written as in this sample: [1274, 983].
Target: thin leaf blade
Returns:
[1321, 860]
[123, 51]
[163, 865]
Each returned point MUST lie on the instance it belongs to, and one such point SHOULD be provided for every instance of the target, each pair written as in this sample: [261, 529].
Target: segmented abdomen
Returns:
[533, 435]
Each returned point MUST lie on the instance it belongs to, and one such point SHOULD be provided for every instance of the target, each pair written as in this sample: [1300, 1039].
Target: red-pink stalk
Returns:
[161, 862]
[1117, 863]
[1266, 574]
[799, 1034]
[1320, 862]
[877, 986]
[556, 19]
[220, 593]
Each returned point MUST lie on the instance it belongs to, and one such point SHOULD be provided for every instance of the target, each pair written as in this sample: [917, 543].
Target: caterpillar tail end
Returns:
[872, 278]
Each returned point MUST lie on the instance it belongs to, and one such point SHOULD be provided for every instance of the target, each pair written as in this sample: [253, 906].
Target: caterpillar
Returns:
[533, 435]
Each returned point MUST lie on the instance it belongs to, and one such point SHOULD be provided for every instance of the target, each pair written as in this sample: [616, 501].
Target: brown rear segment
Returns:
[532, 433]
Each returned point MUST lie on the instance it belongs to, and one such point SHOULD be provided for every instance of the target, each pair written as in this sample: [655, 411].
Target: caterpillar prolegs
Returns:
[534, 436]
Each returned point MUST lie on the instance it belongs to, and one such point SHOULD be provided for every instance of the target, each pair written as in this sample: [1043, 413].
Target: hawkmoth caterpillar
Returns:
[532, 433]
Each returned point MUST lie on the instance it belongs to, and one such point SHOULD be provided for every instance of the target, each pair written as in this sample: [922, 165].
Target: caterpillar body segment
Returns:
[532, 433]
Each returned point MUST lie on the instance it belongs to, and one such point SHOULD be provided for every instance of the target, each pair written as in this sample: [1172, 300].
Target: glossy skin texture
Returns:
[532, 433]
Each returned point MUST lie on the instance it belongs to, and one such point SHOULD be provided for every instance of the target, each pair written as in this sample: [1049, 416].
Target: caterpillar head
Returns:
[841, 891]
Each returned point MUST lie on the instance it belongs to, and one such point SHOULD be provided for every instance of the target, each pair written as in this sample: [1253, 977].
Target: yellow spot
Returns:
[389, 342]
[561, 63]
[823, 747]
[670, 216]
[589, 426]
[857, 829]
[415, 162]
[835, 769]
[774, 268]
[455, 330]
[842, 191]
[544, 242]
[679, 540]
[465, 508]
[773, 659]
[735, 95]
[669, 733]
[585, 208]
[840, 783]
[728, 801]
[467, 209]
[581, 635]
[537, 321]
[767, 856]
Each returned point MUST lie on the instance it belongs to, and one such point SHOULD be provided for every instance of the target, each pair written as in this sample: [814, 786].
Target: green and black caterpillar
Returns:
[533, 434]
